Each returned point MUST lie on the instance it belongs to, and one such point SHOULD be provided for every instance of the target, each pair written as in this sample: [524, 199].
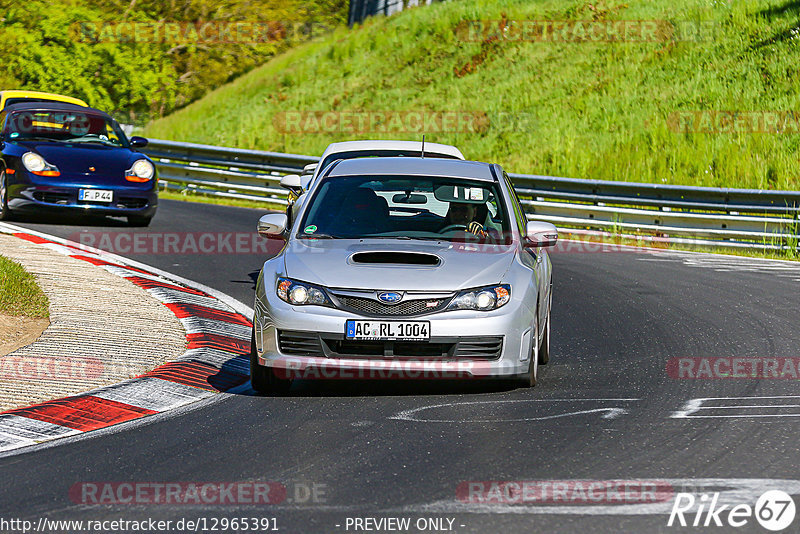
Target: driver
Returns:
[462, 214]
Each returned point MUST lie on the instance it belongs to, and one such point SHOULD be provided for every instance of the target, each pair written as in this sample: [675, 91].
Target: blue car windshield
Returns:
[64, 126]
[402, 207]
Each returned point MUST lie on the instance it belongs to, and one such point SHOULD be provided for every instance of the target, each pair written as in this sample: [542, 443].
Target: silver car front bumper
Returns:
[318, 348]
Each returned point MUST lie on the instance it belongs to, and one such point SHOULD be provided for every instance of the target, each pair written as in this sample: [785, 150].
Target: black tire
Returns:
[5, 213]
[139, 221]
[544, 348]
[263, 378]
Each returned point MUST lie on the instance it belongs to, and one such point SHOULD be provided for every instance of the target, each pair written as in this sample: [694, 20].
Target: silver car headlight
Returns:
[482, 299]
[301, 293]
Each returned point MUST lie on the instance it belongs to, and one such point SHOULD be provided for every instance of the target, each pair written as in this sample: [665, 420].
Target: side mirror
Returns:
[271, 224]
[540, 234]
[310, 168]
[138, 142]
[292, 183]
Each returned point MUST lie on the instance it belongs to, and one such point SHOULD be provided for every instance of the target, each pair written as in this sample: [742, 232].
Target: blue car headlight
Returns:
[37, 165]
[482, 299]
[301, 293]
[141, 171]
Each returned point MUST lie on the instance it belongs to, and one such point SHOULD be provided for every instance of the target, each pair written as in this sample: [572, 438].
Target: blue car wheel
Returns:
[5, 213]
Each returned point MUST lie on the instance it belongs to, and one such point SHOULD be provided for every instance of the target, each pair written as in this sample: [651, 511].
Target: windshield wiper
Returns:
[34, 138]
[317, 236]
[87, 141]
[93, 138]
[403, 237]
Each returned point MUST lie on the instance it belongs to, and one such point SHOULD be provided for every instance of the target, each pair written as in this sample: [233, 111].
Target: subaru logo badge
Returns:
[389, 297]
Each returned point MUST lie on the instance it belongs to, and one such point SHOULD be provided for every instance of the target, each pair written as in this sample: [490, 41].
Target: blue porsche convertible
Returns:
[63, 157]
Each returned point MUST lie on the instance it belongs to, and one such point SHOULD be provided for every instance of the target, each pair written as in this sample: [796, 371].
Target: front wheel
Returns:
[5, 213]
[263, 379]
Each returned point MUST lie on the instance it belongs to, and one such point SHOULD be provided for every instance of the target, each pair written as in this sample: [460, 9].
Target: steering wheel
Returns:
[451, 227]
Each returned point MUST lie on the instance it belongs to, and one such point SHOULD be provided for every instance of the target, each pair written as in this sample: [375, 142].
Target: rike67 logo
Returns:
[774, 510]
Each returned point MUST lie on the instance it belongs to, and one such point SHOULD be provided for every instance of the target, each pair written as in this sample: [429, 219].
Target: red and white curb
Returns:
[216, 358]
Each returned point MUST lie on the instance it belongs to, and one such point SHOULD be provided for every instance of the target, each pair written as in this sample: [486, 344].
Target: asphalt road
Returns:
[603, 410]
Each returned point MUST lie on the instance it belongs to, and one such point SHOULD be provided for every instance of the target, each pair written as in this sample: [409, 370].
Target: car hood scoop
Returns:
[400, 265]
[395, 258]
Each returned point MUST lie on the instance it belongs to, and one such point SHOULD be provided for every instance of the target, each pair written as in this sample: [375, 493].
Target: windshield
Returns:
[447, 209]
[64, 126]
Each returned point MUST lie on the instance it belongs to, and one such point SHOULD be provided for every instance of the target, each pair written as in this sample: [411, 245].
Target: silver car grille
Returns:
[301, 343]
[488, 348]
[403, 309]
[412, 304]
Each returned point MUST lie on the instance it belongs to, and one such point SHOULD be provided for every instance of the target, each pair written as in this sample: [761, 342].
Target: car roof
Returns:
[353, 146]
[53, 106]
[19, 93]
[452, 168]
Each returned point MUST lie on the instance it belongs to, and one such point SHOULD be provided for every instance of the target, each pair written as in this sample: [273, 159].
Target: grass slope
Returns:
[20, 295]
[599, 109]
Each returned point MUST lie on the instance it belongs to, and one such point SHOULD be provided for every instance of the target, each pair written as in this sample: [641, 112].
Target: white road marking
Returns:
[196, 325]
[608, 412]
[693, 406]
[153, 394]
[219, 359]
[125, 272]
[172, 296]
[732, 491]
[726, 263]
[17, 431]
[67, 251]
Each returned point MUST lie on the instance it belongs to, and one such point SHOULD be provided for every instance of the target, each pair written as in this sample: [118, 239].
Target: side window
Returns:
[112, 135]
[519, 215]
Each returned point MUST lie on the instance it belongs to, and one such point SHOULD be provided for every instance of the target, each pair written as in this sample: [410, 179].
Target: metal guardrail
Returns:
[702, 215]
[223, 171]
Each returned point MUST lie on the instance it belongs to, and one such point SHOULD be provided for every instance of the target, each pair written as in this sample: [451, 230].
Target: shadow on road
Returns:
[69, 219]
[402, 388]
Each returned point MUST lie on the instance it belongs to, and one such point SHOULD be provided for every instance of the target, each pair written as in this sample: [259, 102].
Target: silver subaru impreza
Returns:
[404, 268]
